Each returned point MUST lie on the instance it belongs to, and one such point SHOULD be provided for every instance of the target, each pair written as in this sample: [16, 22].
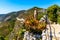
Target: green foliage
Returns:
[20, 34]
[52, 13]
[40, 15]
[2, 38]
[6, 28]
[58, 20]
[12, 24]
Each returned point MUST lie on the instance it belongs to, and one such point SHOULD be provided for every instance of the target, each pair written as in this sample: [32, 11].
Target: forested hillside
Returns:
[11, 28]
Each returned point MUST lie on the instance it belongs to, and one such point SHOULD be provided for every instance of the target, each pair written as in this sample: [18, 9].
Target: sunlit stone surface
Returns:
[30, 36]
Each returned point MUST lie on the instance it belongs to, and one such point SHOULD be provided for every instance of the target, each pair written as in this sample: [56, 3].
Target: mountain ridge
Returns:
[15, 14]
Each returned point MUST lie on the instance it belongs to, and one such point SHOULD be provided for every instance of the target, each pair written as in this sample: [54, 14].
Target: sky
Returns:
[7, 6]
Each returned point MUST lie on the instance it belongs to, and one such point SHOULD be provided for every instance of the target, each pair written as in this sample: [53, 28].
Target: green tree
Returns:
[1, 38]
[52, 12]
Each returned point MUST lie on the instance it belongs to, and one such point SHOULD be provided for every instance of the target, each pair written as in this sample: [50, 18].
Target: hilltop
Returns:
[10, 25]
[9, 21]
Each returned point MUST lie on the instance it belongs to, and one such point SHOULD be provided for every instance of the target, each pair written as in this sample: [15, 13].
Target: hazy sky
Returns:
[7, 6]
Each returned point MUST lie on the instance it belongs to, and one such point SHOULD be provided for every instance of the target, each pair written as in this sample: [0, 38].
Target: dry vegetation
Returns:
[31, 23]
